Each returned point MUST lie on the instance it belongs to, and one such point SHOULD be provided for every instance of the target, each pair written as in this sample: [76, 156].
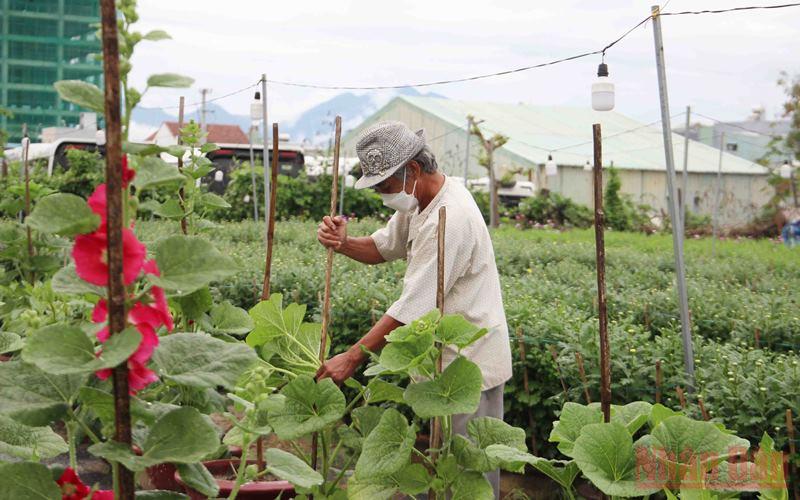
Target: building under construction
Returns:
[41, 42]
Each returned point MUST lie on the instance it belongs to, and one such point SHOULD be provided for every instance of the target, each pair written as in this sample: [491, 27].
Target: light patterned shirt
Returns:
[471, 281]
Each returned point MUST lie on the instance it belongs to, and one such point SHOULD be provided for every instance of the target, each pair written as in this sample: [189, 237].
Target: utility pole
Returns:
[250, 133]
[265, 131]
[685, 169]
[677, 233]
[717, 188]
[203, 94]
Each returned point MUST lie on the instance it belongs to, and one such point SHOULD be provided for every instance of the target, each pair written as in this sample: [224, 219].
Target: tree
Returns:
[89, 96]
[486, 160]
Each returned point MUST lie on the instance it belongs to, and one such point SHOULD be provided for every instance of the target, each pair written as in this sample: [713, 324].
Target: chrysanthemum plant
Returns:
[63, 369]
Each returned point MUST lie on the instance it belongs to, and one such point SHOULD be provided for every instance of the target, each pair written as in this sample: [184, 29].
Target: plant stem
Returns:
[240, 473]
[323, 435]
[73, 459]
[341, 474]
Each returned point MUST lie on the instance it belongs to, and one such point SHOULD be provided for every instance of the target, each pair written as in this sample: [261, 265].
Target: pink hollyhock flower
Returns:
[127, 173]
[146, 319]
[97, 202]
[103, 495]
[71, 486]
[90, 253]
[139, 376]
[159, 298]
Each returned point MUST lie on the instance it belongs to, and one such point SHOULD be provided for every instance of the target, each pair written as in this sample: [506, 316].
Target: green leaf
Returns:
[63, 349]
[171, 80]
[202, 361]
[453, 329]
[633, 415]
[152, 172]
[486, 432]
[66, 280]
[156, 35]
[179, 436]
[379, 390]
[10, 342]
[160, 495]
[27, 480]
[307, 407]
[399, 356]
[227, 318]
[573, 418]
[604, 452]
[188, 263]
[29, 443]
[387, 448]
[290, 468]
[64, 214]
[562, 472]
[456, 390]
[34, 397]
[769, 464]
[170, 209]
[199, 479]
[139, 149]
[101, 403]
[195, 304]
[85, 95]
[214, 201]
[658, 413]
[382, 488]
[471, 485]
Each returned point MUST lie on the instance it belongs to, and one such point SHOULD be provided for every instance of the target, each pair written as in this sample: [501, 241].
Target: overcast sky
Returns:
[722, 65]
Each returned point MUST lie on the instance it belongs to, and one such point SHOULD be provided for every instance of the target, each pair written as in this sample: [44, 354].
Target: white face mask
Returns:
[402, 201]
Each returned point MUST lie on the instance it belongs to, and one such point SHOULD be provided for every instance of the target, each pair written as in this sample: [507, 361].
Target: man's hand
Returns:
[342, 366]
[332, 232]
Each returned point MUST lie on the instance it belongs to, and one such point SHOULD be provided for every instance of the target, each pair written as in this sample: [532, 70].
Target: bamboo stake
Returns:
[681, 397]
[702, 408]
[273, 194]
[579, 360]
[526, 387]
[758, 338]
[326, 304]
[600, 248]
[658, 381]
[792, 453]
[181, 194]
[554, 354]
[116, 288]
[436, 425]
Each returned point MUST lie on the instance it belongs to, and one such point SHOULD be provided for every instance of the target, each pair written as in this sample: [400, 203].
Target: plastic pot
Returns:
[255, 490]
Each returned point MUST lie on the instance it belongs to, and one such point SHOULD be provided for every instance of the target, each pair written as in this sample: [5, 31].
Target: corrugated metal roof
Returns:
[566, 132]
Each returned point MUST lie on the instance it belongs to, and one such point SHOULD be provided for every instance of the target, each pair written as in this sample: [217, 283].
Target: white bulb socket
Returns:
[550, 167]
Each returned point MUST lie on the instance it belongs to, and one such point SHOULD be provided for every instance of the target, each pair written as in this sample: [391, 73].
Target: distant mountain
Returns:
[313, 125]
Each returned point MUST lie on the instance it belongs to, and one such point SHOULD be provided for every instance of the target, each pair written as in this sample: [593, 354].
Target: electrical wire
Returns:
[728, 124]
[733, 9]
[229, 94]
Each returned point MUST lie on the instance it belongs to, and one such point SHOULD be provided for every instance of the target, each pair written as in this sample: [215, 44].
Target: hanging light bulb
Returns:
[602, 90]
[550, 167]
[786, 170]
[255, 108]
[588, 166]
[100, 137]
[219, 175]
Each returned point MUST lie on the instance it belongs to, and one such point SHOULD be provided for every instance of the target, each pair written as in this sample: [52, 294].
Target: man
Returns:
[398, 165]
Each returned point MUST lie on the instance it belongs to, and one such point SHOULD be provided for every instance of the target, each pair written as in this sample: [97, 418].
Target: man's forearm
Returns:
[362, 249]
[375, 339]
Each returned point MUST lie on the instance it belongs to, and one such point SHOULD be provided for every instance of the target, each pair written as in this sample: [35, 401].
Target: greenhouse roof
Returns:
[566, 133]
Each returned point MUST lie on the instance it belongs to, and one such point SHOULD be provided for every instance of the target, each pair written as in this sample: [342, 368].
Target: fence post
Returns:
[600, 250]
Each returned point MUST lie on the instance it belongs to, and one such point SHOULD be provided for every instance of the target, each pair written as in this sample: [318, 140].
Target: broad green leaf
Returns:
[171, 80]
[573, 418]
[188, 263]
[152, 171]
[170, 209]
[227, 318]
[200, 360]
[769, 465]
[633, 415]
[379, 390]
[453, 329]
[29, 443]
[658, 413]
[195, 304]
[382, 488]
[160, 495]
[387, 448]
[562, 472]
[214, 201]
[604, 452]
[64, 214]
[485, 432]
[101, 403]
[199, 478]
[34, 397]
[456, 390]
[180, 436]
[411, 480]
[27, 480]
[307, 407]
[290, 468]
[63, 349]
[208, 147]
[85, 95]
[508, 457]
[66, 280]
[399, 356]
[10, 342]
[156, 35]
[272, 321]
[139, 149]
[471, 485]
[367, 418]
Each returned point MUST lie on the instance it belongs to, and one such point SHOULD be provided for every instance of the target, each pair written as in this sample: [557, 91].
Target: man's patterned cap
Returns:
[384, 147]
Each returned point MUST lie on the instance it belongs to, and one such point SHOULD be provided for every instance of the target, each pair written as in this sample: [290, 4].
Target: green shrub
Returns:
[621, 213]
[552, 208]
